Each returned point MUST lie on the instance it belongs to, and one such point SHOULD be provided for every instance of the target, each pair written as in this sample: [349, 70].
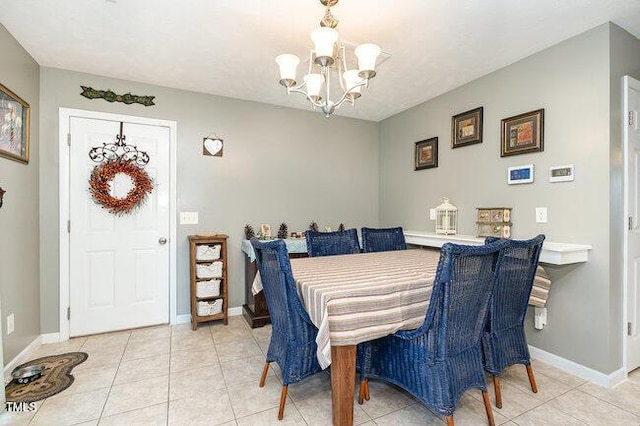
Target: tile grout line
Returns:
[607, 402]
[547, 402]
[169, 378]
[114, 377]
[226, 385]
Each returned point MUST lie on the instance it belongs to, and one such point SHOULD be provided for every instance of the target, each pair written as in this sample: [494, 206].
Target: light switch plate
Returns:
[541, 215]
[188, 218]
[432, 214]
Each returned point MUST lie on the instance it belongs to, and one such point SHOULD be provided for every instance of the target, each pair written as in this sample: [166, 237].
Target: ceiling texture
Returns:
[227, 47]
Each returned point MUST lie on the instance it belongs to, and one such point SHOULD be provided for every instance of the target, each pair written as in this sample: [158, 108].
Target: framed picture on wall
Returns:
[466, 128]
[14, 126]
[426, 154]
[522, 133]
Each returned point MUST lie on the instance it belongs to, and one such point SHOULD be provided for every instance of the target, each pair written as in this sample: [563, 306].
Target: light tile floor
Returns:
[174, 376]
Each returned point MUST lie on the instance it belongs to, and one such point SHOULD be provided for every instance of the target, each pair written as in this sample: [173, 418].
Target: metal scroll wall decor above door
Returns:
[115, 158]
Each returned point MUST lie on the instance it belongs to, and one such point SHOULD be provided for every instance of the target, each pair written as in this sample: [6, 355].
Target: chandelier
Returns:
[327, 55]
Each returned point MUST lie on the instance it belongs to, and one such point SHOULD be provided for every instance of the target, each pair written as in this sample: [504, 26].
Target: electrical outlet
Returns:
[432, 214]
[11, 326]
[188, 218]
[541, 215]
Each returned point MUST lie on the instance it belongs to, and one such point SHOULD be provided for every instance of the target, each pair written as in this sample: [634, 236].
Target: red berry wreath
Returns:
[100, 185]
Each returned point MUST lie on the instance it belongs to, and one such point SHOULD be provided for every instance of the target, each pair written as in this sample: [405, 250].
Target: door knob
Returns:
[162, 241]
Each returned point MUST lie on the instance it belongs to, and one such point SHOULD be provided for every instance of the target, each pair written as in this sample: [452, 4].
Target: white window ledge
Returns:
[552, 253]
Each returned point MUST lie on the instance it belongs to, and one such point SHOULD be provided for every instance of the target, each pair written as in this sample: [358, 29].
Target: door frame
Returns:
[65, 115]
[627, 83]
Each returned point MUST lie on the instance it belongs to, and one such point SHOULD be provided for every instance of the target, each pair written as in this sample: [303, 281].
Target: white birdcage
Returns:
[446, 218]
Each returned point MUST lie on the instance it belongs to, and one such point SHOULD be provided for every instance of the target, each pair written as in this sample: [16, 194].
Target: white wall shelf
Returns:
[552, 253]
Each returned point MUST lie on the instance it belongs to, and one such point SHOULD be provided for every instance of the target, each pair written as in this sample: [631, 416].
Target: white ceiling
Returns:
[227, 47]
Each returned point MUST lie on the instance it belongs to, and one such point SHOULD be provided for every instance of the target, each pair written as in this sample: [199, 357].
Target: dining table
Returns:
[360, 297]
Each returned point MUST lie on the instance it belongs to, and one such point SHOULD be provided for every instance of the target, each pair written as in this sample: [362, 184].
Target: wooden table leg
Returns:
[343, 377]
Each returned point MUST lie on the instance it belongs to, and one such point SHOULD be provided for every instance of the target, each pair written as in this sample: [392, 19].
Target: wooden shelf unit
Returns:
[208, 240]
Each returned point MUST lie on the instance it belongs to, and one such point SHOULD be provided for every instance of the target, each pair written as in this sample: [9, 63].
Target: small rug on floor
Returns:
[55, 378]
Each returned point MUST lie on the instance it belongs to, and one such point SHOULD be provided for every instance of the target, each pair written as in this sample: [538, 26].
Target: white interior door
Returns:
[119, 265]
[633, 245]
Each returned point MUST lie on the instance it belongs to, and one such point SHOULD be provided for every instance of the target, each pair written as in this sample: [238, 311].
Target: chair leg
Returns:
[367, 395]
[449, 420]
[283, 400]
[265, 370]
[498, 391]
[487, 407]
[362, 392]
[532, 379]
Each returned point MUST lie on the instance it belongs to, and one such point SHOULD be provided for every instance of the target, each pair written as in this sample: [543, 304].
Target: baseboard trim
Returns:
[21, 358]
[182, 319]
[232, 312]
[50, 338]
[594, 376]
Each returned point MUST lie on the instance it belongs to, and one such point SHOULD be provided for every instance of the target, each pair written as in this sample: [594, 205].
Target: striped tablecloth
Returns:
[359, 297]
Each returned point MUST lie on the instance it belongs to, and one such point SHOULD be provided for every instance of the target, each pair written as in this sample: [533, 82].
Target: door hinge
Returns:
[69, 139]
[69, 313]
[68, 227]
[630, 223]
[628, 329]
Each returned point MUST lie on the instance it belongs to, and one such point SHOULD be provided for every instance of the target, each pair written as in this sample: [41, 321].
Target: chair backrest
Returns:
[285, 307]
[460, 298]
[332, 243]
[514, 282]
[383, 239]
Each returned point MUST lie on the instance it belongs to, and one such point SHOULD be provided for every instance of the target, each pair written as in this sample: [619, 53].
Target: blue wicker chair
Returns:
[383, 239]
[504, 342]
[293, 335]
[332, 243]
[441, 359]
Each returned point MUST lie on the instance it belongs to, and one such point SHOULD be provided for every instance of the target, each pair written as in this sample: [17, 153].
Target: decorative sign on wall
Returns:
[212, 146]
[109, 96]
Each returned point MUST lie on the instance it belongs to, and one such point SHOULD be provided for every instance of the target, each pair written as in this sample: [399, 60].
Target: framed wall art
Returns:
[426, 154]
[466, 128]
[265, 231]
[14, 126]
[522, 133]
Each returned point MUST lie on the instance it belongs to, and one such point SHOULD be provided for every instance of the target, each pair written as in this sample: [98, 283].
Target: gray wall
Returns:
[279, 165]
[19, 244]
[571, 82]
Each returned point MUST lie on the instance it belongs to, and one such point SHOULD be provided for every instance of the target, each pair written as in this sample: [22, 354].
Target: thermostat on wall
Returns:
[520, 174]
[561, 173]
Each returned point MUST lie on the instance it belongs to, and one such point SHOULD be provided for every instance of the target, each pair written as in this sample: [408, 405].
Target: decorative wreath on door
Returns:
[100, 186]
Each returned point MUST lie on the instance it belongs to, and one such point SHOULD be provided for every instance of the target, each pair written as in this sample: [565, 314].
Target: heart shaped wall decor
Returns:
[212, 147]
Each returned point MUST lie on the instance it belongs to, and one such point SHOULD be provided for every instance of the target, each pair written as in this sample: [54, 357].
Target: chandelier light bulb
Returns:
[288, 64]
[314, 85]
[324, 40]
[353, 82]
[367, 54]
